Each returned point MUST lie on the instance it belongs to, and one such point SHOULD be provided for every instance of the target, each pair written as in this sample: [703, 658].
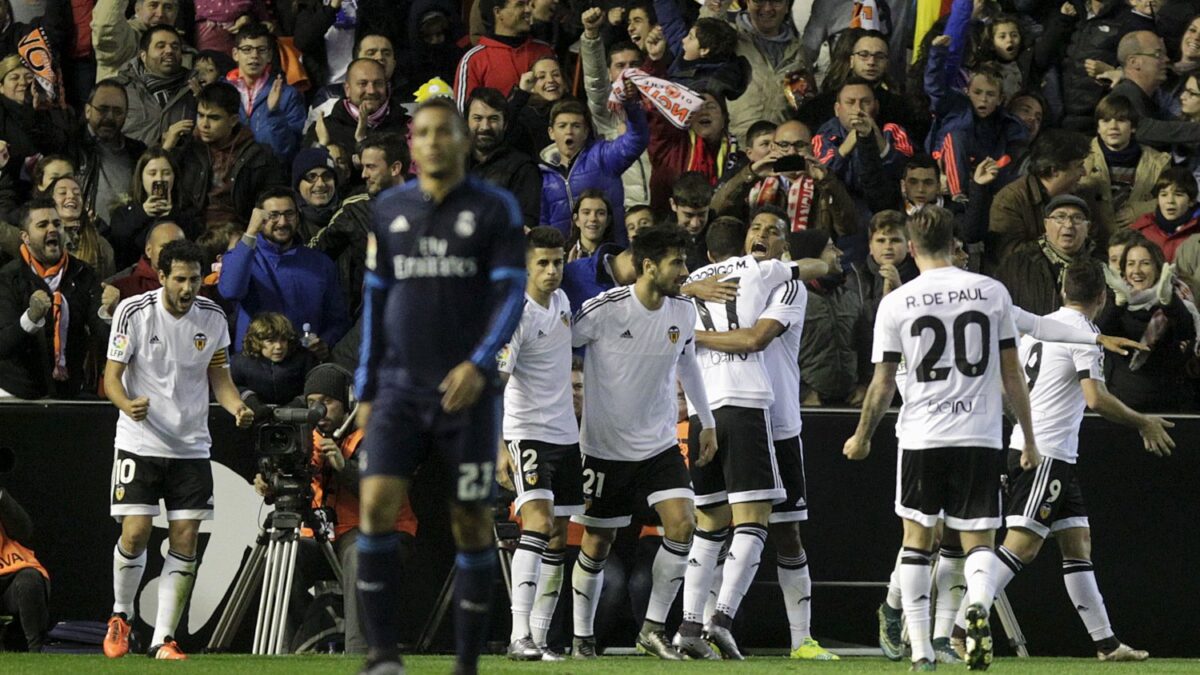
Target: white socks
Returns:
[915, 587]
[950, 582]
[745, 553]
[1080, 580]
[174, 587]
[701, 565]
[545, 600]
[586, 581]
[796, 584]
[670, 565]
[127, 577]
[526, 563]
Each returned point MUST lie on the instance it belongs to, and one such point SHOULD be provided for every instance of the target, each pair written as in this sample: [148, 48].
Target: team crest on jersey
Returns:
[565, 319]
[531, 477]
[465, 225]
[119, 493]
[1044, 511]
[399, 224]
[673, 334]
[200, 340]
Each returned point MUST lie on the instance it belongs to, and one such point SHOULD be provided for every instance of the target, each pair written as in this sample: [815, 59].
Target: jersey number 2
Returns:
[927, 370]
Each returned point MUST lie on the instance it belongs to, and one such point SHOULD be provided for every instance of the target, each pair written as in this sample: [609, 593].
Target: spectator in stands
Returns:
[28, 129]
[385, 163]
[1188, 154]
[971, 126]
[53, 311]
[154, 196]
[705, 55]
[1144, 66]
[503, 54]
[314, 178]
[272, 109]
[367, 46]
[828, 352]
[494, 160]
[49, 169]
[1117, 244]
[1055, 168]
[860, 55]
[578, 161]
[1033, 270]
[855, 139]
[272, 363]
[435, 41]
[366, 109]
[210, 66]
[24, 582]
[770, 44]
[269, 271]
[1147, 309]
[530, 102]
[104, 154]
[591, 224]
[1177, 216]
[1029, 107]
[705, 146]
[1071, 40]
[599, 72]
[219, 21]
[11, 30]
[161, 104]
[222, 170]
[1120, 170]
[143, 276]
[116, 39]
[887, 266]
[80, 233]
[691, 207]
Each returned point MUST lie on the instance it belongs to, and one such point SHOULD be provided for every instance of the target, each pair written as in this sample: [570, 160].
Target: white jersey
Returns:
[537, 398]
[782, 357]
[737, 379]
[629, 372]
[1054, 370]
[949, 325]
[167, 361]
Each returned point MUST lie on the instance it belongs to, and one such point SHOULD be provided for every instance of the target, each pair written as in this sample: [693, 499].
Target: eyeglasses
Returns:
[1157, 54]
[794, 146]
[107, 110]
[1062, 219]
[248, 50]
[314, 176]
[871, 56]
[286, 215]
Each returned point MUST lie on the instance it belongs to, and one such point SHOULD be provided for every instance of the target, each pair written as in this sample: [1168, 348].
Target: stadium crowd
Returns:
[266, 130]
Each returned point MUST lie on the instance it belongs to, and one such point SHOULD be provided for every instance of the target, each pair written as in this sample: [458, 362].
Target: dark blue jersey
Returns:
[445, 284]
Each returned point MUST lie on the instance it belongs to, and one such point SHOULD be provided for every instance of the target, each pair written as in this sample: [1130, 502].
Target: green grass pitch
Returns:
[624, 665]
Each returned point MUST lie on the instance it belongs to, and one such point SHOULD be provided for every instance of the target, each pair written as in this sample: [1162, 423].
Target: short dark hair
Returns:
[358, 40]
[35, 204]
[109, 83]
[253, 31]
[1055, 150]
[886, 221]
[568, 106]
[726, 237]
[638, 208]
[1083, 281]
[590, 193]
[1178, 176]
[646, 6]
[692, 190]
[773, 210]
[544, 237]
[148, 36]
[760, 128]
[654, 243]
[718, 37]
[854, 81]
[490, 97]
[1124, 236]
[921, 161]
[39, 167]
[277, 192]
[932, 230]
[214, 241]
[180, 250]
[443, 103]
[1117, 107]
[624, 46]
[393, 146]
[221, 95]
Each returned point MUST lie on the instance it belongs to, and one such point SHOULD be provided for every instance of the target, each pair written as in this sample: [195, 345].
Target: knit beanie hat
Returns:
[807, 243]
[329, 380]
[309, 159]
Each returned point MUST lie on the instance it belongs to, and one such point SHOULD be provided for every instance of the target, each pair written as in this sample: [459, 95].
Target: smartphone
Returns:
[158, 189]
[790, 164]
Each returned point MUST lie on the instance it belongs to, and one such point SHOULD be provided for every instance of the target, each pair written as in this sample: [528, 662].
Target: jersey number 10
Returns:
[927, 370]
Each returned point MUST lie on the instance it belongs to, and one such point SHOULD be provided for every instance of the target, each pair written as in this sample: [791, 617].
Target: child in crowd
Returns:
[271, 363]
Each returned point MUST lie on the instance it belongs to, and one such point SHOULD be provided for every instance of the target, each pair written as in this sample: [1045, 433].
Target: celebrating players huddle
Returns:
[446, 292]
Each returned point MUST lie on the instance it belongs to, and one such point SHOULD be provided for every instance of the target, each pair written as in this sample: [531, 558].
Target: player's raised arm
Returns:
[1152, 428]
[1049, 330]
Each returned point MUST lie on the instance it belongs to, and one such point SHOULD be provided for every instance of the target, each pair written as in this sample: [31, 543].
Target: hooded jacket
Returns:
[492, 63]
[598, 165]
[254, 170]
[300, 283]
[516, 172]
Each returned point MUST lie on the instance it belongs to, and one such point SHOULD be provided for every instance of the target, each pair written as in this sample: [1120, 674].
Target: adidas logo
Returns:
[1082, 608]
[527, 583]
[541, 333]
[923, 598]
[803, 600]
[693, 563]
[578, 592]
[627, 334]
[154, 340]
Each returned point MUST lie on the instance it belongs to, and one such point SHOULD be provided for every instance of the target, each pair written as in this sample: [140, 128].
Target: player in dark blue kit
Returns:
[444, 292]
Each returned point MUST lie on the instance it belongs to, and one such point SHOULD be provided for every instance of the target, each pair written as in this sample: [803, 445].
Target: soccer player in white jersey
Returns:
[777, 335]
[638, 339]
[1063, 378]
[166, 350]
[738, 487]
[539, 456]
[955, 330]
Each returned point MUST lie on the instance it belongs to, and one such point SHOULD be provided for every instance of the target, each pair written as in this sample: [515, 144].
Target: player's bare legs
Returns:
[380, 498]
[586, 581]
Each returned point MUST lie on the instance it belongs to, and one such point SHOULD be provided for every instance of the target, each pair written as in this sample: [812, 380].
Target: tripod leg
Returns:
[332, 559]
[263, 625]
[439, 612]
[235, 609]
[285, 594]
[1008, 619]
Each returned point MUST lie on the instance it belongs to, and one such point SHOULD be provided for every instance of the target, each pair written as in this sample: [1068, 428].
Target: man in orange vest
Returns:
[24, 583]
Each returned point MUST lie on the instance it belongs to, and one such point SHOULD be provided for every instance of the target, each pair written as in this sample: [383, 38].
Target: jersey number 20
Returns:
[927, 370]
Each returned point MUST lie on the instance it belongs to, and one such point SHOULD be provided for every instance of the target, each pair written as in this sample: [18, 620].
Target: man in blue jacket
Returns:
[269, 271]
[271, 107]
[578, 161]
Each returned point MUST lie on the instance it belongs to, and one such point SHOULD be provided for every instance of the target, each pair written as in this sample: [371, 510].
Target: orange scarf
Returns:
[53, 276]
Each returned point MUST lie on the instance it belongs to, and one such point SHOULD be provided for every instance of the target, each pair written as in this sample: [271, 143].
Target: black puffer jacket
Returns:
[254, 170]
[1069, 41]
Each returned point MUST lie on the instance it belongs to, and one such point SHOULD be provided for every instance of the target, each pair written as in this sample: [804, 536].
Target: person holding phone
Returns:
[154, 201]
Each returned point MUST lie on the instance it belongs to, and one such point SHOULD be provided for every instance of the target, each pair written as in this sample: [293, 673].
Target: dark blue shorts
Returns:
[405, 432]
